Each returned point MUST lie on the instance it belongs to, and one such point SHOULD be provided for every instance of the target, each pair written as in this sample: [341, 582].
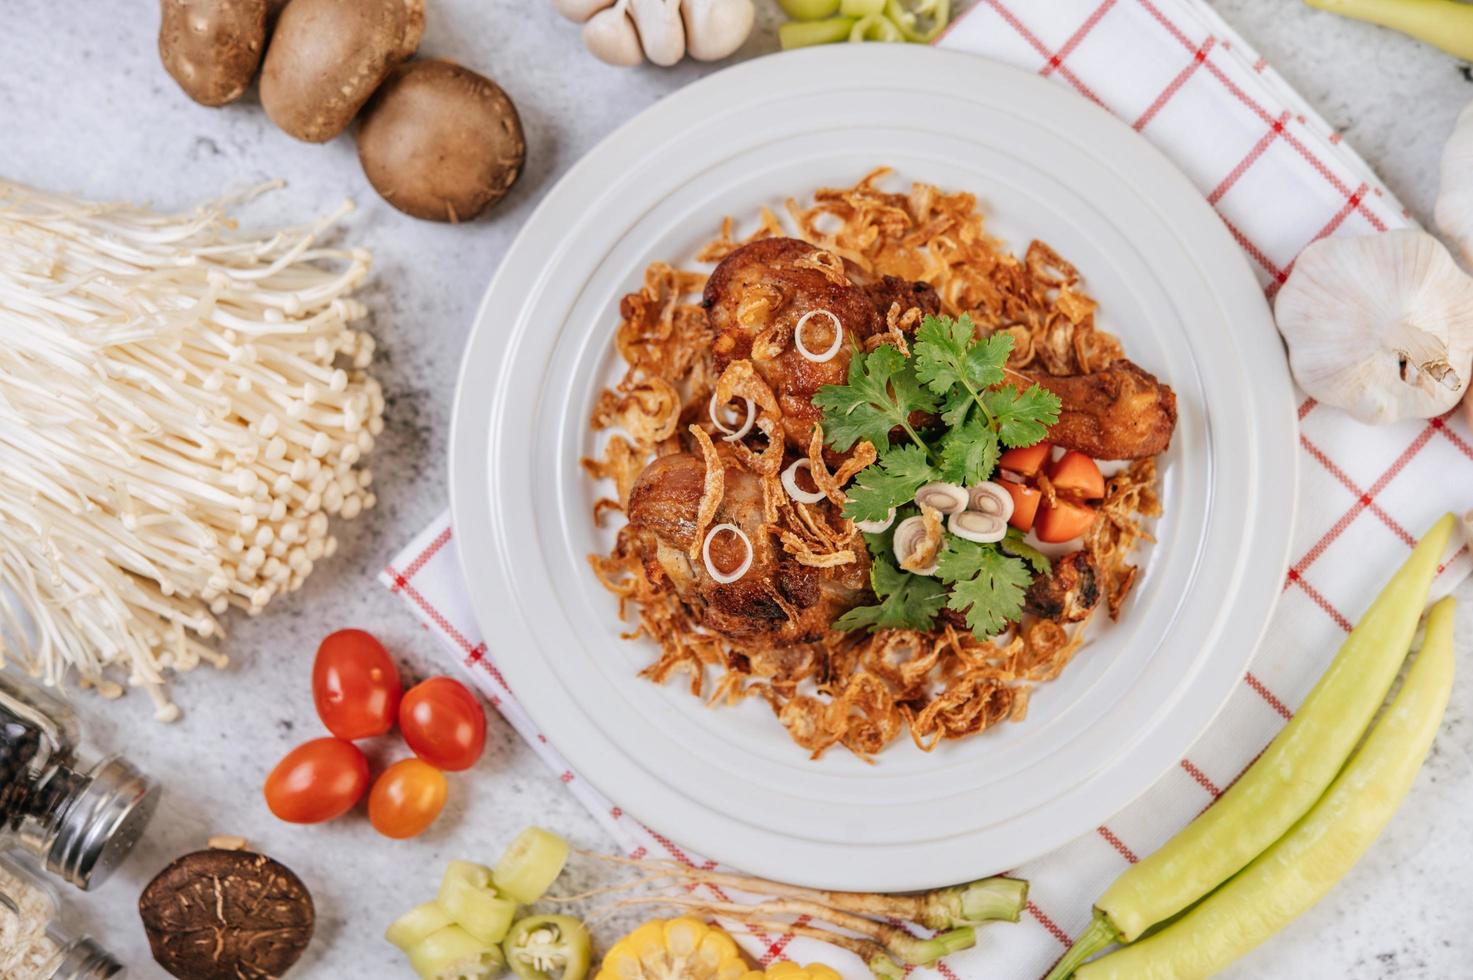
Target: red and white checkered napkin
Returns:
[1280, 179]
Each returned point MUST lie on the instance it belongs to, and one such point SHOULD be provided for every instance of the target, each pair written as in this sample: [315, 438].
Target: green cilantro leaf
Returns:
[906, 601]
[890, 482]
[1023, 417]
[1014, 545]
[882, 393]
[956, 406]
[947, 353]
[987, 585]
[969, 453]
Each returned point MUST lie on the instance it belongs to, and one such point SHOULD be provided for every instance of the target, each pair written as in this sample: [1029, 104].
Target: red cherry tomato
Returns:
[406, 798]
[317, 781]
[1075, 474]
[1063, 520]
[1025, 505]
[355, 685]
[443, 723]
[1027, 461]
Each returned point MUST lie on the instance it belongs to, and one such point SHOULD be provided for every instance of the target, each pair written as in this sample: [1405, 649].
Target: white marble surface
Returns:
[85, 107]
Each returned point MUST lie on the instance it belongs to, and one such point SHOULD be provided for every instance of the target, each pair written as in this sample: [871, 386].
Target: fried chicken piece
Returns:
[905, 295]
[777, 599]
[757, 295]
[1122, 412]
[1068, 593]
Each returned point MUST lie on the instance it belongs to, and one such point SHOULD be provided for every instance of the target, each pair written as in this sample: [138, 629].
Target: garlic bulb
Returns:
[1454, 210]
[626, 32]
[1379, 325]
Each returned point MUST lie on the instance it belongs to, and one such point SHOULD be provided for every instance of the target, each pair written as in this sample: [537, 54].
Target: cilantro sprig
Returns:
[950, 408]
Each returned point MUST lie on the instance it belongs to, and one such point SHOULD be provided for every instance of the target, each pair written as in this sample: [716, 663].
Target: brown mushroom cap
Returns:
[212, 47]
[439, 141]
[327, 57]
[222, 915]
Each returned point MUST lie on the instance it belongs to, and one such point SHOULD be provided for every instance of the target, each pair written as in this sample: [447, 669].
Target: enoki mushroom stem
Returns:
[182, 406]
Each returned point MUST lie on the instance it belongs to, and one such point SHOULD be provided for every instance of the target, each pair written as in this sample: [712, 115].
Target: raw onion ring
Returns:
[790, 484]
[731, 435]
[832, 348]
[725, 578]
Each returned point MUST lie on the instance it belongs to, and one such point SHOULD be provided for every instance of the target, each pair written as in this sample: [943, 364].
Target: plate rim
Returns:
[468, 457]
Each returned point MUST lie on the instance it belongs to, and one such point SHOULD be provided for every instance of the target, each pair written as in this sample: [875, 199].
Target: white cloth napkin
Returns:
[1280, 178]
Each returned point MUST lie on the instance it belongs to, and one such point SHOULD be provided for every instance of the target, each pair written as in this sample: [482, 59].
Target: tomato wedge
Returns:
[1063, 520]
[1075, 475]
[1025, 504]
[1027, 461]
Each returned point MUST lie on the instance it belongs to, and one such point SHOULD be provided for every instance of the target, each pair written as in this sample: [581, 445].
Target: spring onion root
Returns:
[182, 407]
[896, 941]
[1305, 863]
[1286, 780]
[994, 899]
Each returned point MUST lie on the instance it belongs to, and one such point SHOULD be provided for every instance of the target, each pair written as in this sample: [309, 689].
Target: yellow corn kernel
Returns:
[674, 949]
[792, 971]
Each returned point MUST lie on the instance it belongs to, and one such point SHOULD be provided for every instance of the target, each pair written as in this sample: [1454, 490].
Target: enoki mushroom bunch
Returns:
[182, 407]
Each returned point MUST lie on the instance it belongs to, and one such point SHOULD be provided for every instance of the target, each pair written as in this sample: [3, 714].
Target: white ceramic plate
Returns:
[729, 783]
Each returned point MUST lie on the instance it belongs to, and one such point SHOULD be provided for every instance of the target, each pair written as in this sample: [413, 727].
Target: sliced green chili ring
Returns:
[805, 34]
[540, 944]
[479, 911]
[809, 9]
[452, 953]
[414, 925]
[920, 21]
[876, 27]
[861, 8]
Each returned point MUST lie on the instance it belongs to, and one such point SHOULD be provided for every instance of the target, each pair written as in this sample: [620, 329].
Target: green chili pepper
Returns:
[876, 27]
[540, 944]
[861, 8]
[920, 21]
[1305, 863]
[803, 34]
[1288, 778]
[809, 9]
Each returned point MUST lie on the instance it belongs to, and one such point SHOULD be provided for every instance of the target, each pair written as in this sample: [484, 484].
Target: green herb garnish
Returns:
[958, 381]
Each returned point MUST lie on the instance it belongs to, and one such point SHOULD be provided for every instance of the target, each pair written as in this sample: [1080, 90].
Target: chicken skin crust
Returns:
[1121, 412]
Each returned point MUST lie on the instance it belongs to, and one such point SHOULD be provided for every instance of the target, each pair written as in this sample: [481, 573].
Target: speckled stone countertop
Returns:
[86, 108]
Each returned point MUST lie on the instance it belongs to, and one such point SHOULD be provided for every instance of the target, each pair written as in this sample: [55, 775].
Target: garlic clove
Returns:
[578, 11]
[661, 33]
[948, 498]
[610, 36]
[716, 28]
[1454, 208]
[1379, 325]
[979, 527]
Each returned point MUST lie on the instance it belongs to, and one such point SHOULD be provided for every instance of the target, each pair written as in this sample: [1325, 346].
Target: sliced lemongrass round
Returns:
[725, 578]
[945, 497]
[732, 435]
[790, 483]
[978, 527]
[875, 527]
[992, 499]
[833, 348]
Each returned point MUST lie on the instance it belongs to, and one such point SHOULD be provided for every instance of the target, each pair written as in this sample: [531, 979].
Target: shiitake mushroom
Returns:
[223, 914]
[212, 47]
[327, 57]
[439, 141]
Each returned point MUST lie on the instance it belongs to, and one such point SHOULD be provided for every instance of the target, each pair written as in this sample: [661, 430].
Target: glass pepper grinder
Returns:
[79, 824]
[34, 943]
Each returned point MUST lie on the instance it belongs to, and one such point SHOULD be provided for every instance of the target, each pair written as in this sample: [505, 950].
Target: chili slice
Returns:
[539, 944]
